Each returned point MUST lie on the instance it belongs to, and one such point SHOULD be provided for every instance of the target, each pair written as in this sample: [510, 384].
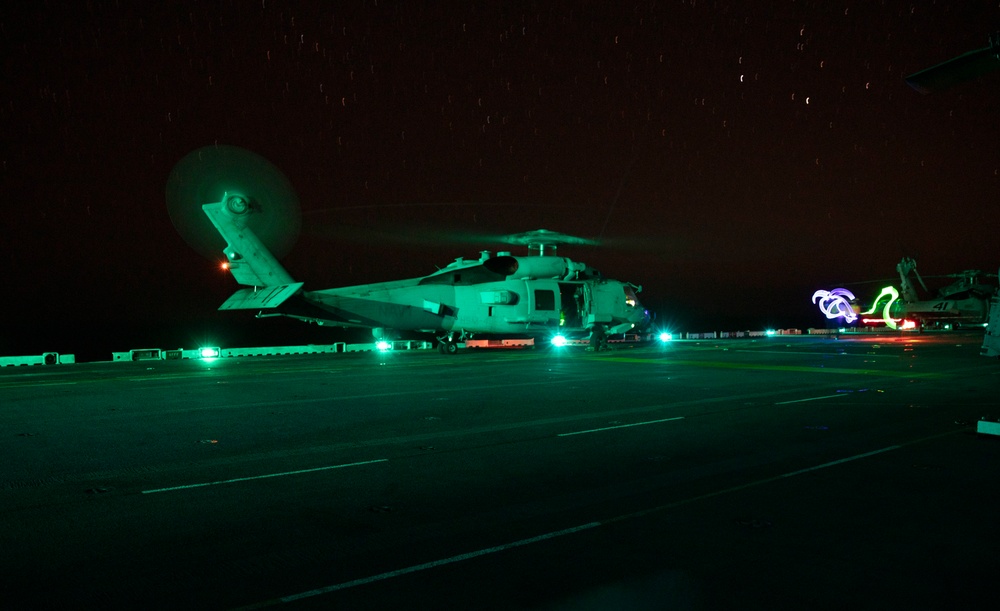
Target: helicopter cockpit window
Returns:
[630, 298]
[545, 300]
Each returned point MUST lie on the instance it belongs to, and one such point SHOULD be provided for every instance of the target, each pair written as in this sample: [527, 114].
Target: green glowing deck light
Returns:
[666, 337]
[559, 340]
[893, 295]
[209, 353]
[383, 345]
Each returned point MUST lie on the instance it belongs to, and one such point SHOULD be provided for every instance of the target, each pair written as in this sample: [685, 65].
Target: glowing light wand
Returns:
[836, 303]
[893, 295]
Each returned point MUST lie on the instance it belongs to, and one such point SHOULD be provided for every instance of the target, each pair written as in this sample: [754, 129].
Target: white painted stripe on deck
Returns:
[760, 482]
[620, 426]
[629, 516]
[499, 548]
[437, 563]
[839, 462]
[812, 399]
[246, 479]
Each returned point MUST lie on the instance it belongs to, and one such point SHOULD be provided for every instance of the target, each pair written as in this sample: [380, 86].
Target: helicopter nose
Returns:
[642, 320]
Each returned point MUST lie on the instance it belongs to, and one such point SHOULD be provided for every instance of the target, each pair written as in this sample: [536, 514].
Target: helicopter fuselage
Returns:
[970, 310]
[965, 301]
[493, 295]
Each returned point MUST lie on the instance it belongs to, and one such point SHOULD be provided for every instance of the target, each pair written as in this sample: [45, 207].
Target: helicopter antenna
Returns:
[917, 274]
[621, 186]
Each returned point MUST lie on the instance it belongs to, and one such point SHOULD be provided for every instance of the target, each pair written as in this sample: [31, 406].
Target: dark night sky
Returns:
[737, 156]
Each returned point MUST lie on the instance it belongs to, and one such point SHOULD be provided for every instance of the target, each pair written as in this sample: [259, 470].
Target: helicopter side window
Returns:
[545, 300]
[630, 298]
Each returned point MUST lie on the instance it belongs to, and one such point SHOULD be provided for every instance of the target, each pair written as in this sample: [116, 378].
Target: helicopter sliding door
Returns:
[572, 300]
[543, 303]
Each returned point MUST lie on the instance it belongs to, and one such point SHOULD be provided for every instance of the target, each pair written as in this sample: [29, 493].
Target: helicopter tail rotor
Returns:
[224, 199]
[267, 201]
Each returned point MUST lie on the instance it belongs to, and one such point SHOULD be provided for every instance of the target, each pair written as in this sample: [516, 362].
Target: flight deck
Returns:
[752, 473]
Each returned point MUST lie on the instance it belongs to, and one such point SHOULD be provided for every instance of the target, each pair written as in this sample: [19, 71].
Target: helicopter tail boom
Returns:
[250, 262]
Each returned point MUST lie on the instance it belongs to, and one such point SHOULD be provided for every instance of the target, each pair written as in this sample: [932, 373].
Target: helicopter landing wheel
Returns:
[447, 347]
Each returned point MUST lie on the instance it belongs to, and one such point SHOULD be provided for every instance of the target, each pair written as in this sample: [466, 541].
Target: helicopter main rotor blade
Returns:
[412, 234]
[963, 68]
[478, 224]
[544, 236]
[412, 224]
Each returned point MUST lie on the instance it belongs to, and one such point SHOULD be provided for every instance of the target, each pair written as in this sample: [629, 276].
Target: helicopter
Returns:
[249, 213]
[965, 67]
[964, 302]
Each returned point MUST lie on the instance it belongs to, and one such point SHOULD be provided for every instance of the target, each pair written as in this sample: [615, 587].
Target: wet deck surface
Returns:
[743, 474]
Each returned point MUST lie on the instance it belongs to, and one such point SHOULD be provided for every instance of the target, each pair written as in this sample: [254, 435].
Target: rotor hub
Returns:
[237, 204]
[542, 242]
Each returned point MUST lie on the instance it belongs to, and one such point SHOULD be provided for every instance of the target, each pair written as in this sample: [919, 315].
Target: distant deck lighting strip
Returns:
[811, 399]
[620, 426]
[246, 479]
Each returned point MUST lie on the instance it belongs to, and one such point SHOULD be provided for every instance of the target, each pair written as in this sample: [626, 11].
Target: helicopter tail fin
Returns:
[253, 298]
[250, 262]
